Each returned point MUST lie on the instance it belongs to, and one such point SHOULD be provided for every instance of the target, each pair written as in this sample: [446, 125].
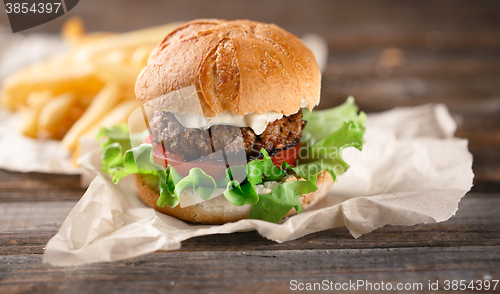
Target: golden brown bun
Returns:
[238, 66]
[218, 210]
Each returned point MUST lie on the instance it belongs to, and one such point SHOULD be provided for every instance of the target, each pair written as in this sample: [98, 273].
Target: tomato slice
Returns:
[289, 155]
[213, 167]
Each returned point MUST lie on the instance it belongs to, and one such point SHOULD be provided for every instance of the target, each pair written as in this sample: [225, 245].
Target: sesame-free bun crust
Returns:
[218, 210]
[236, 66]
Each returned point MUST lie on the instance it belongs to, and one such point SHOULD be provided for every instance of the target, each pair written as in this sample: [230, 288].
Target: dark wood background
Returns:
[449, 52]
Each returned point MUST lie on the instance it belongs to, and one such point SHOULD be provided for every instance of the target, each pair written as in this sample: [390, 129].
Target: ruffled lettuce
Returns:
[327, 133]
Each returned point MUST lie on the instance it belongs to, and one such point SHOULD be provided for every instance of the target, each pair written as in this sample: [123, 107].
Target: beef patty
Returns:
[194, 143]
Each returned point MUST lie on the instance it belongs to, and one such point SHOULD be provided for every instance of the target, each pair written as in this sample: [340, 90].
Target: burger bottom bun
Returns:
[218, 210]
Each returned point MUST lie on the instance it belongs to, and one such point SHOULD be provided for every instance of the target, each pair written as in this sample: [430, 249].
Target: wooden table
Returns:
[445, 52]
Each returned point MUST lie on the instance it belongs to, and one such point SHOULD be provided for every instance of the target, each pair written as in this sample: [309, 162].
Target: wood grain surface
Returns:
[386, 54]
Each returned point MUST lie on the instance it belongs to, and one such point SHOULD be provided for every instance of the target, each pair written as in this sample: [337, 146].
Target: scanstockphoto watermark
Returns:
[487, 283]
[354, 285]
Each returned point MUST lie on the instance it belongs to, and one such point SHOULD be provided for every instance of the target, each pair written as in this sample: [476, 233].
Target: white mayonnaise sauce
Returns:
[258, 122]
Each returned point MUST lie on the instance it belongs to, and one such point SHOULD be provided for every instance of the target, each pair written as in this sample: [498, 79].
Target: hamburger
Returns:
[232, 103]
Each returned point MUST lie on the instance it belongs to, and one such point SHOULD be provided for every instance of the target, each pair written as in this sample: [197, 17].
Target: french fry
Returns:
[116, 65]
[73, 30]
[105, 100]
[93, 50]
[94, 36]
[29, 115]
[73, 95]
[38, 99]
[55, 111]
[121, 73]
[51, 76]
[139, 58]
[119, 114]
[128, 92]
[75, 155]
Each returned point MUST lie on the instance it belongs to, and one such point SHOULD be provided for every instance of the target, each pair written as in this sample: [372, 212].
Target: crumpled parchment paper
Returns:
[23, 154]
[411, 170]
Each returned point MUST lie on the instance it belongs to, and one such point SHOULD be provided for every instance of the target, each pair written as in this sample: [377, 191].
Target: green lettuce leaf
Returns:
[326, 154]
[327, 133]
[272, 207]
[257, 171]
[139, 160]
[199, 181]
[119, 134]
[322, 123]
[241, 194]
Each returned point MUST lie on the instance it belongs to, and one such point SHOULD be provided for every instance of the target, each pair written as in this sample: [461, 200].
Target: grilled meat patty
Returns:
[194, 143]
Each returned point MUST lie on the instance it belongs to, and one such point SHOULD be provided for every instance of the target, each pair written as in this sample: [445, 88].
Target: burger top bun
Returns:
[239, 67]
[218, 210]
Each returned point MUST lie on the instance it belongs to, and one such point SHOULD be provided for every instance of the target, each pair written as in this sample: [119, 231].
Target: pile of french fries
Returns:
[91, 86]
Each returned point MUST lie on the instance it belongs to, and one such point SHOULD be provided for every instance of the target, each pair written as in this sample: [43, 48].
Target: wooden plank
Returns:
[414, 63]
[26, 217]
[33, 187]
[26, 230]
[37, 195]
[373, 95]
[296, 13]
[486, 165]
[402, 36]
[224, 270]
[37, 181]
[24, 242]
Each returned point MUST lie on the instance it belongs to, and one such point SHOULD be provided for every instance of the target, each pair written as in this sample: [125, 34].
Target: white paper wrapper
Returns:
[411, 170]
[19, 50]
[23, 154]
